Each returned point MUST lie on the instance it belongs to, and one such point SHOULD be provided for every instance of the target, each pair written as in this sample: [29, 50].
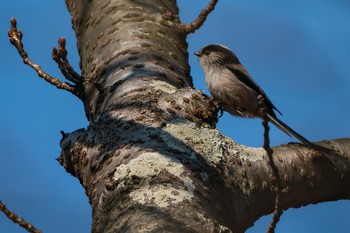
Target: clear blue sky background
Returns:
[298, 51]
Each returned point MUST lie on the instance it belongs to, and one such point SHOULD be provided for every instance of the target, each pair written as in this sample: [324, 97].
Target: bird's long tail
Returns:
[289, 131]
[328, 153]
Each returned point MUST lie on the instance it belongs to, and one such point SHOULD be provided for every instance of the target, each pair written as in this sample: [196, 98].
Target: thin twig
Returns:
[198, 22]
[277, 213]
[16, 219]
[277, 180]
[59, 55]
[16, 40]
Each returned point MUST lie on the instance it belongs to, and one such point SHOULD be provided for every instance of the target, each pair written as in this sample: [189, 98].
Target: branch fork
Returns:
[59, 56]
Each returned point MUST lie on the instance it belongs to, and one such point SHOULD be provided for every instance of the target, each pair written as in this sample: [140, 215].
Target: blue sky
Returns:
[298, 51]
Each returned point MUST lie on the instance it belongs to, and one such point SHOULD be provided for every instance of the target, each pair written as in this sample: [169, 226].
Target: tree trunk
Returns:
[151, 159]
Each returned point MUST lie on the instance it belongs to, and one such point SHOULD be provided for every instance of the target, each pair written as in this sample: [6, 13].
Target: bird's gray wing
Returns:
[243, 75]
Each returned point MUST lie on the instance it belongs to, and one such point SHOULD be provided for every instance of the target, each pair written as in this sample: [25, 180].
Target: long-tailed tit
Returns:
[230, 84]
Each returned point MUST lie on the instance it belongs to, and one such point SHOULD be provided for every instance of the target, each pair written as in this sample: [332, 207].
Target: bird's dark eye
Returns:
[206, 52]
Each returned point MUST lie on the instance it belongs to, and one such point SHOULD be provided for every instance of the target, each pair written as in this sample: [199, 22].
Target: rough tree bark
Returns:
[151, 159]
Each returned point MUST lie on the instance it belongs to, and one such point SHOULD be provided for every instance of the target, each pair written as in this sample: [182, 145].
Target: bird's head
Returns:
[215, 54]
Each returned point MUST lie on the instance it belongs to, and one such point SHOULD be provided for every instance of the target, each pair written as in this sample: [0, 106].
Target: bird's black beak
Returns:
[198, 54]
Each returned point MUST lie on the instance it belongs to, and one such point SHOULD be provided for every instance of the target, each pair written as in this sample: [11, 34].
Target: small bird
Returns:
[230, 84]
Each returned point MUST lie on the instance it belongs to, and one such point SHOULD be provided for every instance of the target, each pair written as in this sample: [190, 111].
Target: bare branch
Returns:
[16, 219]
[59, 55]
[16, 40]
[197, 23]
[277, 179]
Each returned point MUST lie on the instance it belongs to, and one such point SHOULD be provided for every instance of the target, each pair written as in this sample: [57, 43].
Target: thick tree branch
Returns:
[306, 177]
[16, 219]
[237, 180]
[138, 46]
[16, 40]
[198, 22]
